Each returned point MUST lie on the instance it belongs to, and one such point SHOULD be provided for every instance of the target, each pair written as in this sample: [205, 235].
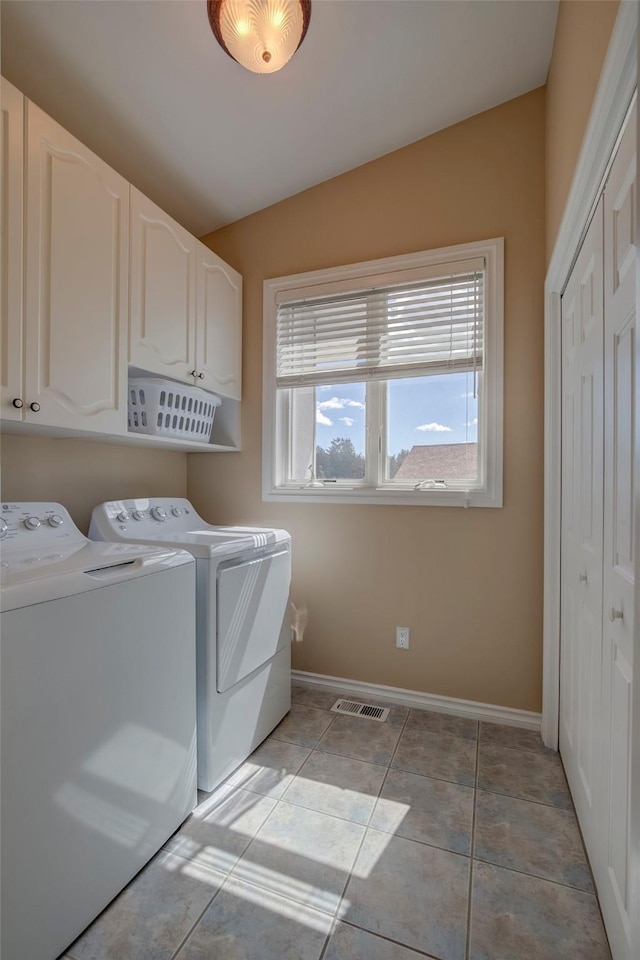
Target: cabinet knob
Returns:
[201, 376]
[615, 614]
[17, 403]
[582, 577]
[194, 373]
[34, 406]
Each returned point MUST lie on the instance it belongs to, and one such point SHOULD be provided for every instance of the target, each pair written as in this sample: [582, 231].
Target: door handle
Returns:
[582, 577]
[615, 614]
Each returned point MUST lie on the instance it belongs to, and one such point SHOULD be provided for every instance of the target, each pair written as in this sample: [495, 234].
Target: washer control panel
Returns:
[24, 525]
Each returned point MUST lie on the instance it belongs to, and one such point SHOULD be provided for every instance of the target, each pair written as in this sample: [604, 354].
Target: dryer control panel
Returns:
[147, 517]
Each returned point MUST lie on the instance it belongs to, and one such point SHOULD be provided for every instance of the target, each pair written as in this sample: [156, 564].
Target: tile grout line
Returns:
[197, 923]
[472, 850]
[535, 876]
[337, 917]
[397, 943]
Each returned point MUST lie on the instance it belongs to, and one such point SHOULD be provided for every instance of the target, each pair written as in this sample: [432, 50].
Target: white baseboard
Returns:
[489, 712]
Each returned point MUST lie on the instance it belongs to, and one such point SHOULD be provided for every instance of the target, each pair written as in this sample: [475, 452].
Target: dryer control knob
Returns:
[159, 513]
[55, 520]
[32, 523]
[123, 516]
[176, 511]
[138, 515]
[4, 527]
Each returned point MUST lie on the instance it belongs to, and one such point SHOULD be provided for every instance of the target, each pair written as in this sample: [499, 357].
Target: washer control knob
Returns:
[55, 520]
[176, 511]
[32, 523]
[4, 527]
[123, 516]
[159, 513]
[138, 515]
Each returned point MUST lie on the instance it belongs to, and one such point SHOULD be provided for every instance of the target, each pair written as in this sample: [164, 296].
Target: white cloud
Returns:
[336, 403]
[472, 423]
[467, 395]
[349, 421]
[320, 418]
[328, 386]
[434, 428]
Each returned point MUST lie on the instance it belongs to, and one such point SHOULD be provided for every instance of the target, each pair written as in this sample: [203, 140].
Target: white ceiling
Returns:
[145, 85]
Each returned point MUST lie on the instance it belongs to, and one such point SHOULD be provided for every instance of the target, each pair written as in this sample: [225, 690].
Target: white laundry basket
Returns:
[165, 408]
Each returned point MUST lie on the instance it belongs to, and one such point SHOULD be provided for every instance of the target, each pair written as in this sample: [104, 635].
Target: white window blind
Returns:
[401, 329]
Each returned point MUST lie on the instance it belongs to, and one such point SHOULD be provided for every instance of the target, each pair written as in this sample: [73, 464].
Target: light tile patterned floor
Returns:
[346, 839]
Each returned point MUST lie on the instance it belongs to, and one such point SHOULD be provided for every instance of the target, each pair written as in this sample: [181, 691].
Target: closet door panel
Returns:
[612, 875]
[581, 556]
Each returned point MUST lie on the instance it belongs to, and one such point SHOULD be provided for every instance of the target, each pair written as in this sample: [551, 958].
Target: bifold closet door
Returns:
[612, 871]
[582, 528]
[597, 556]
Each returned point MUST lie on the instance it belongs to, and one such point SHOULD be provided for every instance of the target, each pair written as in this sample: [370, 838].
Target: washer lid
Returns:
[62, 570]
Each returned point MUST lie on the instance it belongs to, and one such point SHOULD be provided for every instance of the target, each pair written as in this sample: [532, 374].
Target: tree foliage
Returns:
[340, 461]
[395, 462]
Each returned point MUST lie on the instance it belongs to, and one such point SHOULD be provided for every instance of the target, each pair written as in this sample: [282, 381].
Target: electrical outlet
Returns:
[402, 638]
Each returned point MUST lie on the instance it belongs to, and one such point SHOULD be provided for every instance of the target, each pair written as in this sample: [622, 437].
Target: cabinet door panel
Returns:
[77, 291]
[11, 239]
[219, 329]
[163, 269]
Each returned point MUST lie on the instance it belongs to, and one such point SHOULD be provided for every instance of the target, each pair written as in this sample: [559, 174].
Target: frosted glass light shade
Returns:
[262, 35]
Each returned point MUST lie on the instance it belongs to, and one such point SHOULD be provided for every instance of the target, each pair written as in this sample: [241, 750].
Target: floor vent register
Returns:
[356, 709]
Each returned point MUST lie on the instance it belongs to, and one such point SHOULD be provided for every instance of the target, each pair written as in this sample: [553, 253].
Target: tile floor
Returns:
[346, 839]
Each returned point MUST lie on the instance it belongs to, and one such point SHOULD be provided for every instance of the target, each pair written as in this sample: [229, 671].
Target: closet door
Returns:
[612, 874]
[581, 535]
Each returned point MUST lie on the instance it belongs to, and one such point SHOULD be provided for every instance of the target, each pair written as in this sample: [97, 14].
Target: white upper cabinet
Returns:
[11, 239]
[77, 253]
[186, 304]
[219, 325]
[94, 278]
[163, 292]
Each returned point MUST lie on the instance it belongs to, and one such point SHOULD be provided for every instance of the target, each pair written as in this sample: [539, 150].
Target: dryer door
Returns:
[252, 598]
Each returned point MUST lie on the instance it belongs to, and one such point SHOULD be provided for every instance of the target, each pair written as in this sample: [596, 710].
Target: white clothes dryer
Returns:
[243, 636]
[98, 720]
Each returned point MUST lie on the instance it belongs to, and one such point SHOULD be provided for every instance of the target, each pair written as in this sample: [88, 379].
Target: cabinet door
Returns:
[76, 291]
[11, 239]
[163, 301]
[219, 328]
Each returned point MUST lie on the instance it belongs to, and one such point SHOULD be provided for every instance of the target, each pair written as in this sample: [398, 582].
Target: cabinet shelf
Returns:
[170, 444]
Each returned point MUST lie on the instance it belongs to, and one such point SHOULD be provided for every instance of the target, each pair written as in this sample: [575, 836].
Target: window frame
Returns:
[274, 407]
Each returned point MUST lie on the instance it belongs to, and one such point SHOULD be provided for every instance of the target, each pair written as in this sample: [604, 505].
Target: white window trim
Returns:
[488, 496]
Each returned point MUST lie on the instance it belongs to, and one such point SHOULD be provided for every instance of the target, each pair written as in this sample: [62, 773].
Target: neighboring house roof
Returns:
[440, 461]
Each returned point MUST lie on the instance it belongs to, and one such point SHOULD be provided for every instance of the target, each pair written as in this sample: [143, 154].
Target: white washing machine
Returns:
[98, 724]
[243, 576]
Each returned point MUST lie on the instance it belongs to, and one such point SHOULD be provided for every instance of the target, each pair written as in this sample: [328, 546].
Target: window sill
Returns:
[383, 495]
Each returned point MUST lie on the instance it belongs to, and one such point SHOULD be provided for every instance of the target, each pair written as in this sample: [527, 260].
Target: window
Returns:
[383, 381]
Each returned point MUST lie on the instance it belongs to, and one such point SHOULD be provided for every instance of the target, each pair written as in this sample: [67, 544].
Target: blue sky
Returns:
[421, 411]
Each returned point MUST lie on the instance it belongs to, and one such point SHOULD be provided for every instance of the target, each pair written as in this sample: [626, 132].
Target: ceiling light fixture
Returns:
[262, 35]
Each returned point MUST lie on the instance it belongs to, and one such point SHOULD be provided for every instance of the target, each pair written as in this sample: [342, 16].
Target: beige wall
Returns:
[467, 582]
[582, 36]
[80, 473]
